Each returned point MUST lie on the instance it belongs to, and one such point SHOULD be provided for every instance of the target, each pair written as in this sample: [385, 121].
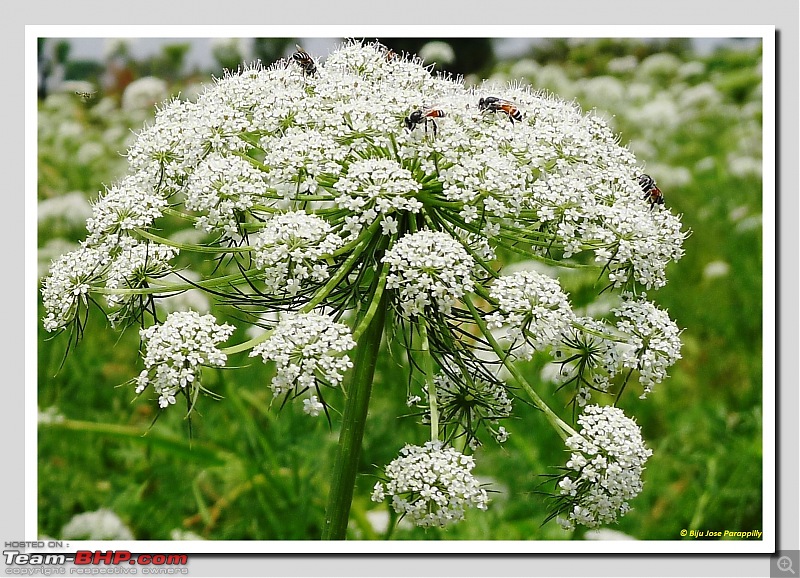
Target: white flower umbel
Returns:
[129, 204]
[291, 249]
[535, 309]
[432, 485]
[176, 350]
[133, 265]
[427, 268]
[376, 187]
[66, 288]
[222, 187]
[653, 340]
[307, 348]
[604, 470]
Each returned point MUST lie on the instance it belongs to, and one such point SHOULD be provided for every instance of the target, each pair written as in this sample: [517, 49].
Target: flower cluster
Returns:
[133, 264]
[220, 188]
[175, 351]
[291, 249]
[306, 348]
[653, 341]
[535, 309]
[432, 485]
[127, 205]
[604, 470]
[427, 268]
[376, 187]
[67, 286]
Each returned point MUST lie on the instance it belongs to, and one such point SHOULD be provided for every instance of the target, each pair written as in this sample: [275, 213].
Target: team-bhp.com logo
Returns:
[95, 558]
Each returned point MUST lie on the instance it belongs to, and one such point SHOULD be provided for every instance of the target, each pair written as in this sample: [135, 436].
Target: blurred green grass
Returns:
[251, 470]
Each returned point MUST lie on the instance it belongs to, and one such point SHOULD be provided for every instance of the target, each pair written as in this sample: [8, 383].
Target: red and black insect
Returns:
[425, 115]
[651, 192]
[495, 104]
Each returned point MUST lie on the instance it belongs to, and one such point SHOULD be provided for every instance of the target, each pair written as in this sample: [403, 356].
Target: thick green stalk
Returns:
[355, 416]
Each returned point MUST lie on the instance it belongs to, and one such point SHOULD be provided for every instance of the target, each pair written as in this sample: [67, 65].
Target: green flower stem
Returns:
[179, 214]
[367, 233]
[375, 303]
[563, 429]
[189, 246]
[427, 365]
[355, 416]
[154, 285]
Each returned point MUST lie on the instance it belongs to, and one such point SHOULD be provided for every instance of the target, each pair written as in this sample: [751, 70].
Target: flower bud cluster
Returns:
[470, 404]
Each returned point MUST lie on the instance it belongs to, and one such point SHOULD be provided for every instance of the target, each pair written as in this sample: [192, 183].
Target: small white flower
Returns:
[175, 352]
[607, 462]
[429, 268]
[306, 348]
[312, 406]
[431, 485]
